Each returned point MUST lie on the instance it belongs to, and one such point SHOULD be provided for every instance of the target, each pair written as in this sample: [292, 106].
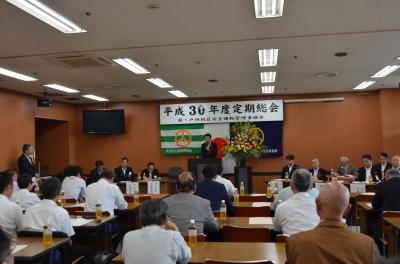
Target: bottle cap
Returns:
[192, 221]
[223, 201]
[97, 205]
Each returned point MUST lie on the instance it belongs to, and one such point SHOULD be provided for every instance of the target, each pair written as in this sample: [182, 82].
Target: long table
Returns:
[264, 222]
[393, 235]
[229, 251]
[35, 250]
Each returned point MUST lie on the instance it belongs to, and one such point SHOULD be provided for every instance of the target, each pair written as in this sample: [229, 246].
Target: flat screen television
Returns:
[107, 121]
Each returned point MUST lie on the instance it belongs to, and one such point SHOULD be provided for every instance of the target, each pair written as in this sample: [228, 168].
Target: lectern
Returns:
[195, 166]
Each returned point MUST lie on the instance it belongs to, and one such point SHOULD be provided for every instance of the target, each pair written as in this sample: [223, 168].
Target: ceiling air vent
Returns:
[80, 60]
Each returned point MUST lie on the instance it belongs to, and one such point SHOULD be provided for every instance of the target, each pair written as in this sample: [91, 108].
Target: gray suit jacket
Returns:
[185, 206]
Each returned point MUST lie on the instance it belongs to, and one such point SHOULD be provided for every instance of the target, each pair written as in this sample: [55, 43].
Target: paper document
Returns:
[260, 221]
[261, 204]
[18, 248]
[80, 221]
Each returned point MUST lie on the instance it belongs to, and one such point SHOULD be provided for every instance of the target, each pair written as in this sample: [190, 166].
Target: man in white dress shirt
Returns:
[14, 175]
[10, 213]
[24, 197]
[159, 240]
[105, 193]
[47, 212]
[396, 162]
[227, 183]
[298, 213]
[5, 248]
[74, 186]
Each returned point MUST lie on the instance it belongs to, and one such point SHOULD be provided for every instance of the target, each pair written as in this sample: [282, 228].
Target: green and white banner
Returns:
[187, 138]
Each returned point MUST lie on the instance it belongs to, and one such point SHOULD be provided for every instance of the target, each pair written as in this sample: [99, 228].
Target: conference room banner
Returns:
[222, 112]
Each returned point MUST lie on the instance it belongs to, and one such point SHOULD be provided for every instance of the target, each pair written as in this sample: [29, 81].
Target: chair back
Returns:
[173, 174]
[248, 198]
[199, 238]
[263, 211]
[245, 234]
[214, 261]
[90, 214]
[364, 198]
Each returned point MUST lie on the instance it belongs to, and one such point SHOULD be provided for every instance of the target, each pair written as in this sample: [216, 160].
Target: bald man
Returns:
[184, 206]
[331, 241]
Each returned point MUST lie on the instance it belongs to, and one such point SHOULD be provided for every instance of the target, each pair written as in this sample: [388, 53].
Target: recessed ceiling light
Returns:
[17, 75]
[398, 58]
[267, 77]
[61, 88]
[47, 15]
[159, 82]
[363, 85]
[131, 65]
[177, 93]
[268, 57]
[268, 8]
[95, 97]
[385, 71]
[268, 89]
[213, 80]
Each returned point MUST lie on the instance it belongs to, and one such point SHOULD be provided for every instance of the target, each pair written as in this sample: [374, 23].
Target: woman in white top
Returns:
[159, 241]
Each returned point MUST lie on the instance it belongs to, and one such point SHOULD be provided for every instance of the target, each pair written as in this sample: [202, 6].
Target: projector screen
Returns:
[104, 121]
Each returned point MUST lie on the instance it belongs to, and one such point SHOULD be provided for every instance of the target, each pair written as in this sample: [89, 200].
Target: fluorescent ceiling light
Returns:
[131, 65]
[385, 71]
[269, 89]
[268, 57]
[95, 97]
[267, 77]
[16, 75]
[159, 82]
[47, 15]
[268, 8]
[363, 85]
[177, 93]
[61, 88]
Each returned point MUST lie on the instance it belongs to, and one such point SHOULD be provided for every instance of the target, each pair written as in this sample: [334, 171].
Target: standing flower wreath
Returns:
[246, 142]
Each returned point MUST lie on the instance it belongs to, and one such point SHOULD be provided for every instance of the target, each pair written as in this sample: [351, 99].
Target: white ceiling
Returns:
[222, 35]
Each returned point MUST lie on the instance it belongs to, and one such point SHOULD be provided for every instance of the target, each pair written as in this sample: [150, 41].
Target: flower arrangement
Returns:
[246, 142]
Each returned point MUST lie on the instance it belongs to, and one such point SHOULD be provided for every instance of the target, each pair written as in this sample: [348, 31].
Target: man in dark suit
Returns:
[290, 167]
[124, 172]
[383, 165]
[213, 191]
[151, 171]
[208, 149]
[26, 162]
[387, 195]
[95, 174]
[368, 171]
[317, 172]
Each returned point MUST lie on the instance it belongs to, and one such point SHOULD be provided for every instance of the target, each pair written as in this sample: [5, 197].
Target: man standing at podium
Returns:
[208, 148]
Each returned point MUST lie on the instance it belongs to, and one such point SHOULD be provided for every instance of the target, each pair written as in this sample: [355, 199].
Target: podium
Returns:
[196, 166]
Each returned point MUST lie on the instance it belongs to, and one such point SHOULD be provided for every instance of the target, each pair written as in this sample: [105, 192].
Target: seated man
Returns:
[387, 195]
[227, 183]
[184, 206]
[345, 170]
[124, 172]
[396, 162]
[213, 191]
[331, 241]
[368, 171]
[47, 212]
[151, 171]
[299, 212]
[290, 168]
[25, 197]
[73, 185]
[103, 192]
[318, 173]
[10, 213]
[287, 193]
[158, 241]
[383, 165]
[95, 174]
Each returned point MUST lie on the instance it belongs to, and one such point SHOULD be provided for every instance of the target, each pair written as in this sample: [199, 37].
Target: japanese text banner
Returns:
[220, 112]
